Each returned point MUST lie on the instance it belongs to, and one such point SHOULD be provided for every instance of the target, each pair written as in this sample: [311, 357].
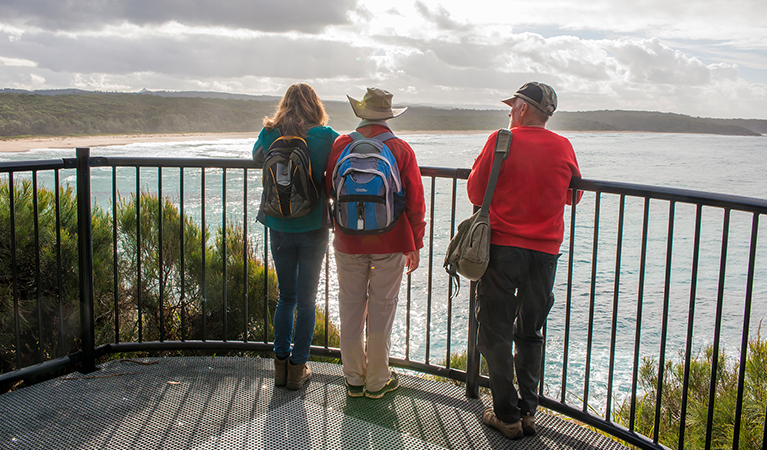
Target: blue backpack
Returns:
[368, 196]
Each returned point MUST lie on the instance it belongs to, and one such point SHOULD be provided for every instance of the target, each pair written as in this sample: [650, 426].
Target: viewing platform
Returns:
[231, 403]
[655, 338]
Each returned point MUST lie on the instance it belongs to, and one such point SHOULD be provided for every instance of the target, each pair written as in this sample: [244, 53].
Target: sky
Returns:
[705, 58]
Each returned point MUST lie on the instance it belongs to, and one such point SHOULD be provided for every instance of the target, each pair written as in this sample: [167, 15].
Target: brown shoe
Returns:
[280, 371]
[298, 375]
[510, 430]
[528, 424]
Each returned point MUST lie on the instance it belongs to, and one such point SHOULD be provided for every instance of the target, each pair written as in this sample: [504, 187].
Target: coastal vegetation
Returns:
[724, 400]
[644, 121]
[180, 298]
[698, 397]
[72, 112]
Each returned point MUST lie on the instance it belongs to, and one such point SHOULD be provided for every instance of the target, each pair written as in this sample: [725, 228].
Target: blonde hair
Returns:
[299, 110]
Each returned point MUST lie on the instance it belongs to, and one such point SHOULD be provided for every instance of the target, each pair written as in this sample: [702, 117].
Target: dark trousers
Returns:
[514, 297]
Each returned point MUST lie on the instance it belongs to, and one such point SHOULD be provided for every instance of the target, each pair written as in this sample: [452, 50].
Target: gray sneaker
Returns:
[354, 391]
[391, 384]
[510, 430]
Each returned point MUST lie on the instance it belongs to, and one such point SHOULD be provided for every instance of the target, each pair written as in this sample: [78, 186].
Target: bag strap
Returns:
[288, 139]
[356, 135]
[385, 136]
[502, 146]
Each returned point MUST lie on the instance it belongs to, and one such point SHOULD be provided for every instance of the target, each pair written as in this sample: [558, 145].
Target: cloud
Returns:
[441, 18]
[307, 16]
[651, 62]
[645, 55]
[189, 56]
[566, 55]
[18, 62]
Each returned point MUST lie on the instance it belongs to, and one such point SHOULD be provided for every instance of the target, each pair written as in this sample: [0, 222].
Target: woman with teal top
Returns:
[298, 244]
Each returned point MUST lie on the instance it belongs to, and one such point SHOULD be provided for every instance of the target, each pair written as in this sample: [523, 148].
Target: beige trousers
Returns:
[368, 289]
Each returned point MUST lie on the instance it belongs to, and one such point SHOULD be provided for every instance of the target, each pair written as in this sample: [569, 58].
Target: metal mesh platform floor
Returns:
[227, 402]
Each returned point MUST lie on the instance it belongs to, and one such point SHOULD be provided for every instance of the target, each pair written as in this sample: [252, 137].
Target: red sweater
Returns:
[532, 190]
[407, 234]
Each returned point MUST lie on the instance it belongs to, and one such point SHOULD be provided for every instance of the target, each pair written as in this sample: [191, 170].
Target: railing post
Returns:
[85, 247]
[472, 353]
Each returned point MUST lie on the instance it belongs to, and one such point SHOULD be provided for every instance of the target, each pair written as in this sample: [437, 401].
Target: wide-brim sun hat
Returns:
[375, 105]
[540, 95]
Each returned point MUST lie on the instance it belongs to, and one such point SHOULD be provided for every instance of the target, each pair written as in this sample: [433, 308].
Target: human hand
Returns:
[413, 258]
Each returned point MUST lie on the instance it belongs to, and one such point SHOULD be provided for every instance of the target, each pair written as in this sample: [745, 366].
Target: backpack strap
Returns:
[356, 136]
[288, 139]
[385, 136]
[502, 145]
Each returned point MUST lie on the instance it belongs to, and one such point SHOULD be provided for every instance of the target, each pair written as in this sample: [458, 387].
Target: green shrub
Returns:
[46, 307]
[197, 314]
[203, 308]
[59, 321]
[459, 361]
[754, 400]
[198, 311]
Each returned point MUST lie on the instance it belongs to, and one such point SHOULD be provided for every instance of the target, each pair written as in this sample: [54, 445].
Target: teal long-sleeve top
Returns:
[319, 140]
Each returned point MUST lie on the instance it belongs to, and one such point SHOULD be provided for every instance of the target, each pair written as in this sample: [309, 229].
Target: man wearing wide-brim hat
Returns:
[515, 294]
[370, 266]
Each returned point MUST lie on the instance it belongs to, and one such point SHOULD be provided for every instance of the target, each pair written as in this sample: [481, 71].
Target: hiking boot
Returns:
[510, 430]
[528, 424]
[391, 384]
[280, 371]
[354, 391]
[298, 375]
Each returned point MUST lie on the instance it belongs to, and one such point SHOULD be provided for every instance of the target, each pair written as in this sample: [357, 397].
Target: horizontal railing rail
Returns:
[732, 202]
[34, 165]
[161, 299]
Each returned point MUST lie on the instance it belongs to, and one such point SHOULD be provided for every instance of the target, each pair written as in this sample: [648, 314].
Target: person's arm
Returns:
[259, 152]
[338, 146]
[415, 205]
[576, 173]
[331, 139]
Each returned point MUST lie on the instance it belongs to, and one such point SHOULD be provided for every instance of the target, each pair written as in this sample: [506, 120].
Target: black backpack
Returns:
[289, 187]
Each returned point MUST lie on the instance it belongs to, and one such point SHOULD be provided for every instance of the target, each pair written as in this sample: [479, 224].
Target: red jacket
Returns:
[532, 190]
[407, 234]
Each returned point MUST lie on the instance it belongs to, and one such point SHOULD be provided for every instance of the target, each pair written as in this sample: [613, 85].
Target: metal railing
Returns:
[568, 367]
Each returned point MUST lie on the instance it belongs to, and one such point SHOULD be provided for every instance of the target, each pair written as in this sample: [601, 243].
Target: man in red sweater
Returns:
[370, 266]
[514, 295]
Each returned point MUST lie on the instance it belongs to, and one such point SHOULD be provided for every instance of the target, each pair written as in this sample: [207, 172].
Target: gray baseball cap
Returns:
[540, 95]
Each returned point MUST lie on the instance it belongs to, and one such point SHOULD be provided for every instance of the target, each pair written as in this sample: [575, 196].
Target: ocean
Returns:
[720, 164]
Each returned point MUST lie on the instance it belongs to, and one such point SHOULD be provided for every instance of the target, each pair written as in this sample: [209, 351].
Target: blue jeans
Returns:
[514, 297]
[298, 259]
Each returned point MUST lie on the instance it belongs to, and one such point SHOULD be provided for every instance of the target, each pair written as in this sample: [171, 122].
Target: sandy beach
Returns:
[26, 144]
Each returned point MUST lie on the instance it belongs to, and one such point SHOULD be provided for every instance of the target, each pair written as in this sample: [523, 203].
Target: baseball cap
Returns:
[540, 95]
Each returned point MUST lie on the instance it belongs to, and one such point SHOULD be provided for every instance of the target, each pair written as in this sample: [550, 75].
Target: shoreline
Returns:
[23, 145]
[71, 142]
